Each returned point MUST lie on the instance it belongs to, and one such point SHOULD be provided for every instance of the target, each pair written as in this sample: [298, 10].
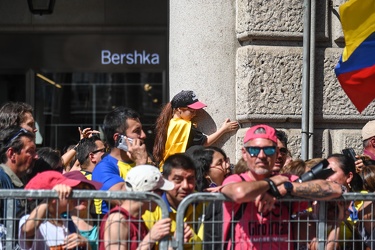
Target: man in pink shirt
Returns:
[265, 223]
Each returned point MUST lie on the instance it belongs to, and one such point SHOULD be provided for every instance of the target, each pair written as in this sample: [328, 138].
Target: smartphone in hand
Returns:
[121, 143]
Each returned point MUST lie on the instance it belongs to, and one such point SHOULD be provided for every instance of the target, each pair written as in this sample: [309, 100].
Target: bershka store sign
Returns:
[130, 58]
[84, 52]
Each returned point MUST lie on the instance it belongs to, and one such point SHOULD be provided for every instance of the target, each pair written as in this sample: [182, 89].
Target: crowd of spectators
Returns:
[183, 162]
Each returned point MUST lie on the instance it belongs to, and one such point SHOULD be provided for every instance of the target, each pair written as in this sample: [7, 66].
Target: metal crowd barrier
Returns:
[9, 196]
[325, 214]
[302, 236]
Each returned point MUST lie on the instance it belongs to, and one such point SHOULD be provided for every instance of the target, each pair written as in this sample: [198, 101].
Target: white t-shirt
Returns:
[46, 235]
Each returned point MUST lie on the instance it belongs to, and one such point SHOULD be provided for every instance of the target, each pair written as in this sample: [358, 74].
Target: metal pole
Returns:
[305, 80]
[312, 79]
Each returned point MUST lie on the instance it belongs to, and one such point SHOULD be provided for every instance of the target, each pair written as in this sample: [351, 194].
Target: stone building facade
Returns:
[245, 59]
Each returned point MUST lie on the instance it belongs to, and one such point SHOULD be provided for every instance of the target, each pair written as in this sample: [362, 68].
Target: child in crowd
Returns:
[45, 227]
[175, 132]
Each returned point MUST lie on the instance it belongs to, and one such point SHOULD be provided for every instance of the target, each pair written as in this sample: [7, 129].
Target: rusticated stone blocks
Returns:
[277, 20]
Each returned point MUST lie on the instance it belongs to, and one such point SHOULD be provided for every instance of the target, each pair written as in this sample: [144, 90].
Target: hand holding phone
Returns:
[121, 143]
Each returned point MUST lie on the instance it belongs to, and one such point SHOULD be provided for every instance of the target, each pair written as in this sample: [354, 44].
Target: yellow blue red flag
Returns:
[356, 67]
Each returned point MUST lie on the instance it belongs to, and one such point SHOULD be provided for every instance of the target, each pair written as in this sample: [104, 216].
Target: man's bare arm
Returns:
[245, 191]
[315, 189]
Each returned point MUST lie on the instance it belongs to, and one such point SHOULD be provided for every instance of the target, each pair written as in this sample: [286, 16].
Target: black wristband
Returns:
[273, 188]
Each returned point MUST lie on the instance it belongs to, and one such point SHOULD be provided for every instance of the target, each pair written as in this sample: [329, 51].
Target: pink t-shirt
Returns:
[255, 230]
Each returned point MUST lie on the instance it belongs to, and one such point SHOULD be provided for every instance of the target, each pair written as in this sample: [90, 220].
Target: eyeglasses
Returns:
[21, 132]
[104, 150]
[221, 165]
[283, 151]
[254, 151]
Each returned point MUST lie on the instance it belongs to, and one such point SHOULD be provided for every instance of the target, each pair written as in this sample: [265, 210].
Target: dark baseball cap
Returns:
[187, 98]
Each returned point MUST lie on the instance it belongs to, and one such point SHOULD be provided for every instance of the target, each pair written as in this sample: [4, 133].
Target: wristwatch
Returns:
[288, 187]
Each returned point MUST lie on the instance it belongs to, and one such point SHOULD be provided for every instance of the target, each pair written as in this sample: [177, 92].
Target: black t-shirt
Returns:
[196, 137]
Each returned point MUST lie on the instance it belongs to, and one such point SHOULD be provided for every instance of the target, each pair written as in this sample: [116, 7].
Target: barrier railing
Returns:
[9, 196]
[307, 224]
[316, 225]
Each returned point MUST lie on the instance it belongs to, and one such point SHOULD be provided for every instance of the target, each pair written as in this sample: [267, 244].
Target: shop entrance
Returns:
[73, 100]
[75, 80]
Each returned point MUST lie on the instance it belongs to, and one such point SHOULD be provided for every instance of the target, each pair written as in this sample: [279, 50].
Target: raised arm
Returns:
[69, 155]
[226, 127]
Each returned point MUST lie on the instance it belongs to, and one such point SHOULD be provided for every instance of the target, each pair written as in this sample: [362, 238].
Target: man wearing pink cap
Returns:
[265, 222]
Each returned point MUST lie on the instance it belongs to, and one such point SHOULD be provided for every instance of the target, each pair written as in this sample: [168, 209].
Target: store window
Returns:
[66, 101]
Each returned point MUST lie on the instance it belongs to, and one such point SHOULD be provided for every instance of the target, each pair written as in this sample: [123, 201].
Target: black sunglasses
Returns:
[104, 150]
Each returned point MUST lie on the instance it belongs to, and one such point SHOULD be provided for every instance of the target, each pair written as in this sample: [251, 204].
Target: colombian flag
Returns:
[356, 68]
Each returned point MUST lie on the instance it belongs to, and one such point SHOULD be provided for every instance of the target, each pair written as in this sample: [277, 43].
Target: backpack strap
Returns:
[71, 226]
[236, 218]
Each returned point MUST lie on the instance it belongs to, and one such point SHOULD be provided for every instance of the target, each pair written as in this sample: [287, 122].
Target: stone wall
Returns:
[269, 75]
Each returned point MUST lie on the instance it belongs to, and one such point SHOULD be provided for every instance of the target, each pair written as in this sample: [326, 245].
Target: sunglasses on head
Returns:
[21, 132]
[254, 151]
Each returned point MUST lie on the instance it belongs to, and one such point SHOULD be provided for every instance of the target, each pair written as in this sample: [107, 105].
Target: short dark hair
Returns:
[84, 148]
[177, 161]
[48, 159]
[116, 122]
[13, 113]
[281, 135]
[11, 137]
[51, 156]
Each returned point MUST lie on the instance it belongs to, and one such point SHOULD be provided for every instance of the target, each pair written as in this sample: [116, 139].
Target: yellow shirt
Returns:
[192, 216]
[109, 171]
[177, 138]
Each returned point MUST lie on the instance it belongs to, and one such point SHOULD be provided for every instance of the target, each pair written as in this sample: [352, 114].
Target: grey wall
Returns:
[265, 54]
[202, 58]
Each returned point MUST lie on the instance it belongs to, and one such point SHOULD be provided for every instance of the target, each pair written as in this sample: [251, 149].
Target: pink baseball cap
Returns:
[270, 133]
